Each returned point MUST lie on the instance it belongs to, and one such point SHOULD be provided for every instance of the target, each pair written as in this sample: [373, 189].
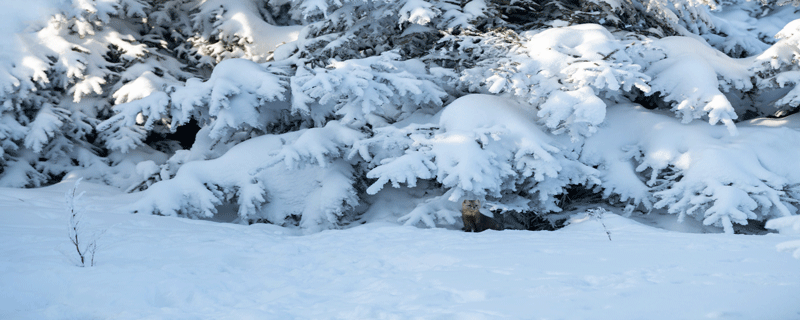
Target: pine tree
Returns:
[512, 102]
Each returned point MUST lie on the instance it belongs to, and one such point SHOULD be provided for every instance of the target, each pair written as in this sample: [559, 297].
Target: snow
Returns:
[371, 90]
[484, 146]
[689, 76]
[564, 71]
[787, 225]
[240, 22]
[696, 169]
[268, 177]
[308, 135]
[151, 267]
[14, 17]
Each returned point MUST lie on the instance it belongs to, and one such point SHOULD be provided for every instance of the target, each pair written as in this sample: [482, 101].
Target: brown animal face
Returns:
[471, 205]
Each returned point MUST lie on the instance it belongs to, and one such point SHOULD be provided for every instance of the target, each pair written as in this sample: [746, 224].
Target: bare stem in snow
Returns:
[86, 249]
[597, 214]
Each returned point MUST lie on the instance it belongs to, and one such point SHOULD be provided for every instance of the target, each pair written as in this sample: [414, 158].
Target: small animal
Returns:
[474, 220]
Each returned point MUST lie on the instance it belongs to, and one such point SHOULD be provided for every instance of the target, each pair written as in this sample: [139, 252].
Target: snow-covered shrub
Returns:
[372, 91]
[651, 159]
[224, 29]
[240, 95]
[272, 177]
[483, 146]
[778, 66]
[58, 82]
[687, 74]
[345, 30]
[565, 72]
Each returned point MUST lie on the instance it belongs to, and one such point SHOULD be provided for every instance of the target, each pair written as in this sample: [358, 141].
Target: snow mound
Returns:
[787, 225]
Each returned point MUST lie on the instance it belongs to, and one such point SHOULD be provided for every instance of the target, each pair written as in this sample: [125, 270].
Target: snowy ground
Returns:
[151, 267]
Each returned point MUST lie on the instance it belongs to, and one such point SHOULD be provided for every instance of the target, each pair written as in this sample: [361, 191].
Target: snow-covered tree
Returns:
[483, 146]
[60, 83]
[267, 178]
[778, 67]
[562, 72]
[308, 112]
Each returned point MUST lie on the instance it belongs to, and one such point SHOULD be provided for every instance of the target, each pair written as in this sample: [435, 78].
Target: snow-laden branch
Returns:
[374, 90]
[564, 72]
[693, 77]
[696, 169]
[777, 67]
[484, 146]
[250, 174]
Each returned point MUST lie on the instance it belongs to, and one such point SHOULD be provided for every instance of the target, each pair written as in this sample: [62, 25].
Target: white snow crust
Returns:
[151, 267]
